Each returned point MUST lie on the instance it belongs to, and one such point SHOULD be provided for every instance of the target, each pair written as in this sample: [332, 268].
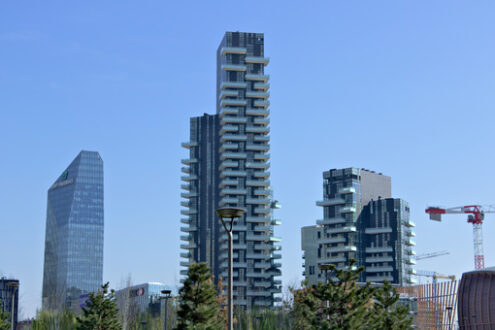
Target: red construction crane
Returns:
[476, 216]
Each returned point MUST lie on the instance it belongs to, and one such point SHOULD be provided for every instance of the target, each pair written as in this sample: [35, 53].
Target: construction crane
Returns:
[431, 255]
[476, 215]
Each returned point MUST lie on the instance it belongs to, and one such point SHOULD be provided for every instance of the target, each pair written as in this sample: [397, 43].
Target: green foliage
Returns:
[198, 307]
[101, 312]
[48, 320]
[266, 319]
[343, 304]
[4, 323]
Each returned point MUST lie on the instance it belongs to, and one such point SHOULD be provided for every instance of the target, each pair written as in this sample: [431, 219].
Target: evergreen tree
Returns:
[198, 307]
[343, 304]
[101, 312]
[48, 319]
[4, 323]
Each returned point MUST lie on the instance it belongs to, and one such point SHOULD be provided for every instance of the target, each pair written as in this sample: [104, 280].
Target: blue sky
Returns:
[400, 87]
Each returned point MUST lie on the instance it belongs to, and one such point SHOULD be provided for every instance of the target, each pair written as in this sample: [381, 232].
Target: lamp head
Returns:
[230, 212]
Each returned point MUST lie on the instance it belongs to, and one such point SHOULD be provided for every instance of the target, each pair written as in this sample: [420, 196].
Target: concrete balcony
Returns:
[379, 269]
[345, 229]
[332, 240]
[257, 59]
[331, 260]
[224, 192]
[188, 229]
[228, 163]
[228, 182]
[262, 192]
[189, 194]
[188, 246]
[185, 186]
[328, 202]
[225, 246]
[348, 209]
[258, 147]
[379, 259]
[276, 256]
[257, 256]
[232, 103]
[262, 121]
[261, 86]
[257, 275]
[228, 128]
[410, 252]
[264, 201]
[262, 138]
[186, 238]
[258, 219]
[226, 173]
[186, 221]
[185, 203]
[228, 146]
[233, 120]
[233, 84]
[409, 223]
[257, 112]
[189, 145]
[381, 230]
[234, 67]
[330, 221]
[228, 93]
[347, 190]
[264, 175]
[262, 156]
[259, 293]
[276, 222]
[228, 111]
[276, 239]
[189, 212]
[409, 261]
[257, 77]
[263, 210]
[338, 249]
[228, 200]
[258, 95]
[233, 155]
[380, 278]
[233, 137]
[189, 161]
[190, 177]
[240, 228]
[185, 169]
[258, 183]
[257, 129]
[379, 249]
[410, 242]
[233, 50]
[262, 104]
[262, 165]
[410, 233]
[186, 255]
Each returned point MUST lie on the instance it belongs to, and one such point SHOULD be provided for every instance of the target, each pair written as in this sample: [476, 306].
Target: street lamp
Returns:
[230, 212]
[166, 295]
[14, 285]
[326, 268]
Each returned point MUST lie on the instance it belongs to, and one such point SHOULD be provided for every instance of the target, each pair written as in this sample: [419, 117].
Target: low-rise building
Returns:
[9, 294]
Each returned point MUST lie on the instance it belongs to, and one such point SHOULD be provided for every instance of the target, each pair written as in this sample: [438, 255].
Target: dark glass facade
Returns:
[9, 293]
[476, 300]
[74, 233]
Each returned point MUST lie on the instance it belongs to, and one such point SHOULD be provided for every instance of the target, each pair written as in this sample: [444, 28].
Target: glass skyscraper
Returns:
[229, 167]
[74, 233]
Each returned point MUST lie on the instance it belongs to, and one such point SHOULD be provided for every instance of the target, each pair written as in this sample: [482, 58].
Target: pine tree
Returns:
[343, 304]
[4, 323]
[101, 312]
[198, 307]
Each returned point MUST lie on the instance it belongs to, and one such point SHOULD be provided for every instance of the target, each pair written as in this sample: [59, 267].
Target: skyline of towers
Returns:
[361, 221]
[73, 262]
[228, 167]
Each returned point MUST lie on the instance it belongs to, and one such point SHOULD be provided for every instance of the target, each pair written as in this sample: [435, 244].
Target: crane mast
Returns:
[476, 215]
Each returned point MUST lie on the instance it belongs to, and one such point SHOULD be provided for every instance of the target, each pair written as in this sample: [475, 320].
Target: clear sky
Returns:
[400, 87]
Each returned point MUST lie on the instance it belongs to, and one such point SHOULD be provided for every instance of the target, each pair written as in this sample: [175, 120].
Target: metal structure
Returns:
[167, 294]
[232, 213]
[432, 255]
[434, 275]
[476, 215]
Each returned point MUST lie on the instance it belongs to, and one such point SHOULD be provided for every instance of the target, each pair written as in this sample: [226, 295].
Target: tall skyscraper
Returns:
[228, 167]
[74, 233]
[361, 221]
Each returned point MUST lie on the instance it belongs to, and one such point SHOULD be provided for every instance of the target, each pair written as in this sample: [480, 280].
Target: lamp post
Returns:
[14, 285]
[325, 267]
[230, 212]
[166, 295]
